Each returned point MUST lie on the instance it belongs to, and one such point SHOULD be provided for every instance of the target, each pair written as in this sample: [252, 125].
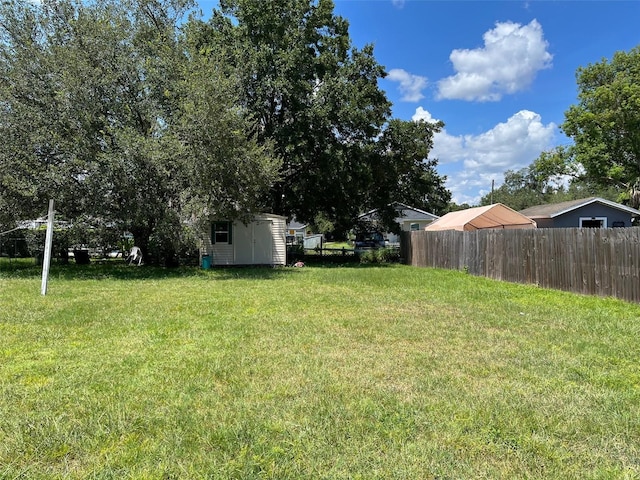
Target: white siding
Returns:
[406, 224]
[222, 255]
[279, 230]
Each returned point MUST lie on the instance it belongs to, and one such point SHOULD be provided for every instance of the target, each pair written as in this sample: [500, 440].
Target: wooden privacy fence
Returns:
[592, 261]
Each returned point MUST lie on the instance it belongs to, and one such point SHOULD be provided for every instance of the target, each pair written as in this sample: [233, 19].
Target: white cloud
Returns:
[509, 61]
[422, 114]
[411, 86]
[398, 3]
[476, 160]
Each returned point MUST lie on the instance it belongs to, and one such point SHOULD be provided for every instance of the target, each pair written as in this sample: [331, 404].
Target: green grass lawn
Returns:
[360, 372]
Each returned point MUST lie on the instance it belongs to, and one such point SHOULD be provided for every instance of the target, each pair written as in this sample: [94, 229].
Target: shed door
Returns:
[243, 243]
[253, 243]
[262, 243]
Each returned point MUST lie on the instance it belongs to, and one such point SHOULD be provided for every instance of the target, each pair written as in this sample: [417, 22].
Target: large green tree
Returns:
[317, 98]
[605, 123]
[112, 111]
[402, 171]
[553, 177]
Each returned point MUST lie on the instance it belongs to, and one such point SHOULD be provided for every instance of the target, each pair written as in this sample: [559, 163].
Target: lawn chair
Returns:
[135, 256]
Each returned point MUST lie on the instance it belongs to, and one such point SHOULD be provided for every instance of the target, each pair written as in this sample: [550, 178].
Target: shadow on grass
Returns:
[98, 270]
[121, 271]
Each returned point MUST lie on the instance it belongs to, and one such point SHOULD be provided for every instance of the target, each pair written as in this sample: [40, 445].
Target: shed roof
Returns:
[478, 218]
[553, 210]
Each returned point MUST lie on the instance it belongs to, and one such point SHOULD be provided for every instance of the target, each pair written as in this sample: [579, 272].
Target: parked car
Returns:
[369, 240]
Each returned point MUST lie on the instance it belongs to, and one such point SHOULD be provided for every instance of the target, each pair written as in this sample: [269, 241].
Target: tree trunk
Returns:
[141, 237]
[634, 194]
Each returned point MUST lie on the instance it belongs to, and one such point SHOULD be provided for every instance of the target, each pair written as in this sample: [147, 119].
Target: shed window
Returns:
[415, 227]
[221, 232]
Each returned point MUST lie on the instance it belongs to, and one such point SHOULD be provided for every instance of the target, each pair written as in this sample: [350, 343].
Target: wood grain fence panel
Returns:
[591, 259]
[558, 277]
[601, 265]
[616, 247]
[542, 258]
[563, 260]
[514, 264]
[578, 256]
[603, 262]
[630, 267]
[624, 261]
[634, 267]
[574, 270]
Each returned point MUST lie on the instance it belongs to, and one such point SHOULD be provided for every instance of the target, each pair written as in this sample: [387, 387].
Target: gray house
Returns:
[408, 218]
[591, 212]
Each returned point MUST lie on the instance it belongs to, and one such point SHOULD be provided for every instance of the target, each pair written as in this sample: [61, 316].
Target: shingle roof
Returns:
[295, 225]
[552, 210]
[404, 212]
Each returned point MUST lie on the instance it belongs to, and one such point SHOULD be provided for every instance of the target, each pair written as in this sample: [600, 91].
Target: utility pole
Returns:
[492, 184]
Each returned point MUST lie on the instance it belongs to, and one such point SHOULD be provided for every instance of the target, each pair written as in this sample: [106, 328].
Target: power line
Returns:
[22, 227]
[12, 230]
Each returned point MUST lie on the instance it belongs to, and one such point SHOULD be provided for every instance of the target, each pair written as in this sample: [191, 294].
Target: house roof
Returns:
[479, 218]
[295, 225]
[404, 213]
[553, 210]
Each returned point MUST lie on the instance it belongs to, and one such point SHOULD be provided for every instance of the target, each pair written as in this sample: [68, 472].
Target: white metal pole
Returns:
[46, 261]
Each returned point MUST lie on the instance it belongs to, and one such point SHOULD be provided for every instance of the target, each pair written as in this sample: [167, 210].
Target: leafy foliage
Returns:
[140, 114]
[380, 255]
[605, 124]
[551, 178]
[108, 110]
[317, 98]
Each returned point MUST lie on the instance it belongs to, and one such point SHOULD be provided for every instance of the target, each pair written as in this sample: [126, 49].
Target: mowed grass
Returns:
[357, 372]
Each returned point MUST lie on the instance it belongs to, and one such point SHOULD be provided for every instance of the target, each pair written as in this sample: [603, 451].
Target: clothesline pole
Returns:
[46, 261]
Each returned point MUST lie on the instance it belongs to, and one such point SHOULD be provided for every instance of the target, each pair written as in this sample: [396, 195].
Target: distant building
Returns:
[407, 217]
[296, 232]
[593, 212]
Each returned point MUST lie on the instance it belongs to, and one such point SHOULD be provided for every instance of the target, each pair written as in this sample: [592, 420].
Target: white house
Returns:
[260, 242]
[296, 231]
[408, 218]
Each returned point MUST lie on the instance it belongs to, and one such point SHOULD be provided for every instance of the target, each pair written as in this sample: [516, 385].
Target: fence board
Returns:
[603, 262]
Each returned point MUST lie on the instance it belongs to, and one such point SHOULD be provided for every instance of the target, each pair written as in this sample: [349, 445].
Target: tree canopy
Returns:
[605, 123]
[142, 115]
[553, 177]
[317, 98]
[109, 110]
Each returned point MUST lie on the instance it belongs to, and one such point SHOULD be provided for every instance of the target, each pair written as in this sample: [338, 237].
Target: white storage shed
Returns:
[260, 242]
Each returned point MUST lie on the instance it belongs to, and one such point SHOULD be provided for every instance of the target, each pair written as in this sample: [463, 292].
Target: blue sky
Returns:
[499, 74]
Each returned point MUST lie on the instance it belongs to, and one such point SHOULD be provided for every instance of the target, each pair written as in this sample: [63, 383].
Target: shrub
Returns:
[381, 255]
[368, 256]
[388, 255]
